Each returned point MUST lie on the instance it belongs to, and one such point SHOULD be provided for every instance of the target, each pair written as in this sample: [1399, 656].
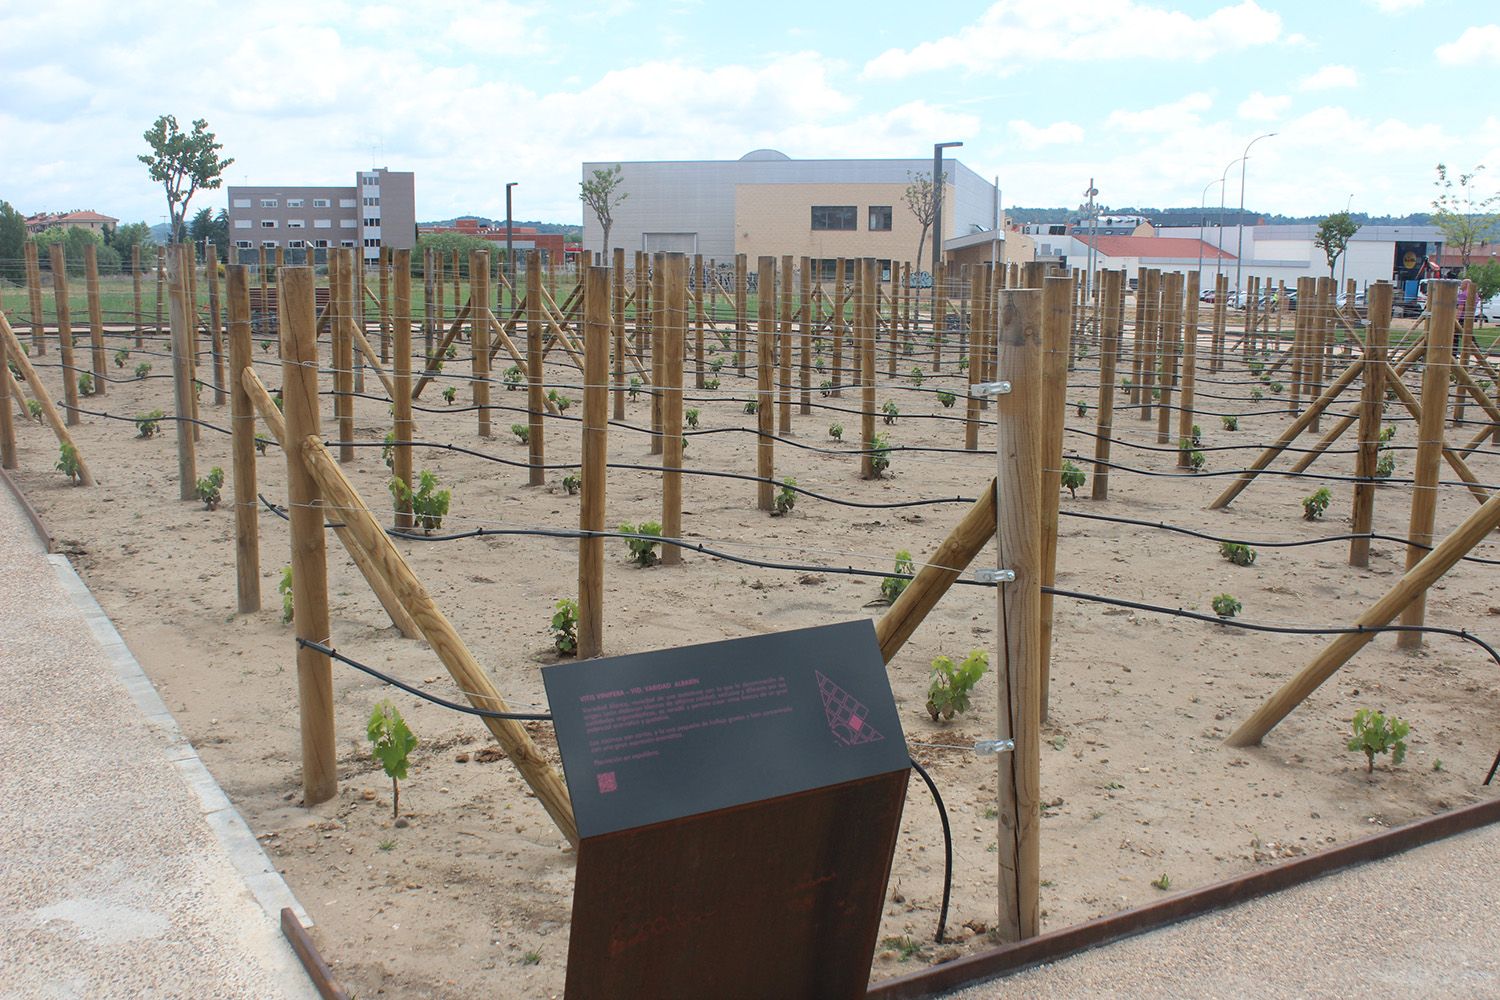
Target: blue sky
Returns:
[1153, 98]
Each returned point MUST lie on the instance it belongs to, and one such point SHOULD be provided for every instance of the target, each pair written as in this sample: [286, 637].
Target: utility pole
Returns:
[1239, 256]
[510, 257]
[937, 225]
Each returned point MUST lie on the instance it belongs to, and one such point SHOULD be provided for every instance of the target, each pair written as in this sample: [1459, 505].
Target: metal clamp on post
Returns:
[989, 389]
[995, 575]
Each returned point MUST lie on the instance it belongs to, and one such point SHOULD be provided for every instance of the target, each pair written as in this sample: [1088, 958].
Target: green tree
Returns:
[601, 193]
[1486, 278]
[446, 243]
[183, 162]
[919, 198]
[1466, 218]
[131, 235]
[12, 234]
[1333, 237]
[73, 240]
[207, 225]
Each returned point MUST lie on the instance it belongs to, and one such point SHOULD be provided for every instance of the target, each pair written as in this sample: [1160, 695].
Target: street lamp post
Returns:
[1088, 277]
[1344, 265]
[937, 224]
[1219, 240]
[510, 257]
[1239, 256]
[1202, 215]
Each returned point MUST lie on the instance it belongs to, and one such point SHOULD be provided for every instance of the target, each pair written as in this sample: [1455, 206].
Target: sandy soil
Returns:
[470, 895]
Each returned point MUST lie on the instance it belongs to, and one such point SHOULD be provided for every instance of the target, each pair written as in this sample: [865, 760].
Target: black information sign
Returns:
[657, 736]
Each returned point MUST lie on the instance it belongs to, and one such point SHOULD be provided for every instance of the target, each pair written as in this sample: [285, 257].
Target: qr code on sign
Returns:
[607, 782]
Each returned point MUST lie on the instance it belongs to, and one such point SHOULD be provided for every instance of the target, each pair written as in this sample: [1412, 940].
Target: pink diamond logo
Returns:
[847, 716]
[607, 782]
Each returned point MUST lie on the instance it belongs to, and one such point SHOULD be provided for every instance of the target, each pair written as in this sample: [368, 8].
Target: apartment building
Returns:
[766, 203]
[379, 210]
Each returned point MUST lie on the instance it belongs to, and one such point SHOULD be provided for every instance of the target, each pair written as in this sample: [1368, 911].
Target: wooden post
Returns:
[1372, 401]
[299, 393]
[765, 370]
[1112, 299]
[341, 285]
[642, 295]
[842, 279]
[1221, 306]
[673, 335]
[215, 321]
[536, 320]
[1020, 457]
[479, 296]
[600, 283]
[430, 315]
[1414, 584]
[784, 350]
[34, 297]
[804, 335]
[741, 309]
[1057, 332]
[182, 375]
[189, 273]
[242, 428]
[7, 419]
[658, 322]
[161, 284]
[864, 337]
[1189, 371]
[977, 294]
[1152, 330]
[96, 317]
[1442, 301]
[44, 399]
[617, 320]
[1251, 306]
[1170, 329]
[1322, 339]
[700, 286]
[403, 428]
[1137, 340]
[65, 334]
[939, 303]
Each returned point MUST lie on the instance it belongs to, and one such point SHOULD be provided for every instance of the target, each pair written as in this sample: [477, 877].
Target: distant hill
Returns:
[161, 233]
[569, 231]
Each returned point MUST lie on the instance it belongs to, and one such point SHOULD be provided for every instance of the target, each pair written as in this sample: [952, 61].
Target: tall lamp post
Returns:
[1239, 255]
[937, 224]
[510, 257]
[1088, 277]
[1202, 217]
[1344, 265]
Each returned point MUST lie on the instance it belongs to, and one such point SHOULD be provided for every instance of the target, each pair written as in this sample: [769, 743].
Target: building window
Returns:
[268, 203]
[880, 218]
[321, 244]
[322, 203]
[294, 203]
[322, 223]
[375, 223]
[242, 203]
[372, 202]
[294, 244]
[346, 243]
[346, 223]
[242, 223]
[268, 223]
[372, 180]
[296, 224]
[268, 244]
[840, 217]
[243, 244]
[372, 243]
[346, 203]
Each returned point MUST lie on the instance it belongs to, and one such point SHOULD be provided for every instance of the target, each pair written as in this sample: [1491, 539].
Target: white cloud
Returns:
[1329, 78]
[1259, 107]
[1163, 117]
[1479, 44]
[1035, 137]
[1013, 33]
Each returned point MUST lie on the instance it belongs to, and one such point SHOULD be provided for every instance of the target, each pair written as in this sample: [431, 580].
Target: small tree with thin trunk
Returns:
[919, 198]
[1333, 237]
[1466, 218]
[182, 162]
[601, 193]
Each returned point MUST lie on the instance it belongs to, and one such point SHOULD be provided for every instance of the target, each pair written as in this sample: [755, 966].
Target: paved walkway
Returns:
[124, 870]
[1421, 924]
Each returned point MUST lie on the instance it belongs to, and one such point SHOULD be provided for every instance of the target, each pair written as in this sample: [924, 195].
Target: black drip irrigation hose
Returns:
[937, 798]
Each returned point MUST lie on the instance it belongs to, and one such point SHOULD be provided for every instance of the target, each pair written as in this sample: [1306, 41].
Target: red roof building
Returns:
[1154, 248]
[89, 220]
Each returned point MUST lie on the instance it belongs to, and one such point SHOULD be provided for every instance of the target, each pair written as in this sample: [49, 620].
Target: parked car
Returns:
[922, 279]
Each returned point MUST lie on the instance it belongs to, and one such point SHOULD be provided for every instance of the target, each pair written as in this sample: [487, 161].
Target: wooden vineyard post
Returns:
[383, 275]
[1427, 571]
[182, 375]
[189, 272]
[699, 284]
[1112, 300]
[1442, 300]
[429, 303]
[1137, 341]
[658, 321]
[892, 343]
[96, 318]
[34, 299]
[1322, 335]
[617, 322]
[18, 358]
[1251, 306]
[864, 339]
[976, 370]
[299, 393]
[939, 303]
[1170, 329]
[161, 284]
[741, 309]
[7, 419]
[599, 285]
[535, 398]
[215, 320]
[242, 428]
[1057, 331]
[403, 428]
[804, 336]
[765, 371]
[59, 266]
[673, 335]
[1189, 371]
[341, 320]
[784, 351]
[1371, 401]
[842, 279]
[642, 284]
[1221, 307]
[479, 295]
[1151, 328]
[1020, 457]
